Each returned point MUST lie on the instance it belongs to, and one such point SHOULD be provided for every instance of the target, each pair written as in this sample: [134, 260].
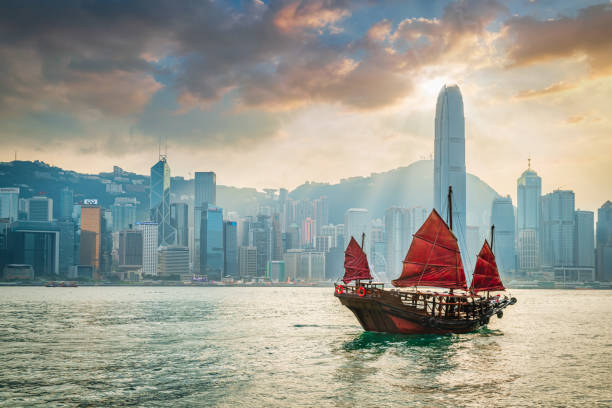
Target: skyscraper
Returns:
[529, 192]
[205, 183]
[321, 213]
[356, 223]
[604, 242]
[40, 209]
[65, 204]
[394, 239]
[150, 235]
[91, 228]
[173, 261]
[179, 220]
[584, 238]
[230, 248]
[160, 201]
[557, 241]
[247, 262]
[9, 203]
[308, 232]
[124, 214]
[130, 248]
[449, 159]
[502, 216]
[211, 244]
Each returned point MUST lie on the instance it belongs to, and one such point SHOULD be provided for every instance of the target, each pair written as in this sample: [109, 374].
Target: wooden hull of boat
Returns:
[388, 314]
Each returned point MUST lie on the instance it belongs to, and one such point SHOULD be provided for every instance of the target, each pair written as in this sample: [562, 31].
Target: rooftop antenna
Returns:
[529, 162]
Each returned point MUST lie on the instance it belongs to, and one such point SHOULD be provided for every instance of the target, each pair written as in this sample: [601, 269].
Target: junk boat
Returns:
[433, 260]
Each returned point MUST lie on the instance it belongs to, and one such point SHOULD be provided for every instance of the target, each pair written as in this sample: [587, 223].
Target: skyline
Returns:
[318, 91]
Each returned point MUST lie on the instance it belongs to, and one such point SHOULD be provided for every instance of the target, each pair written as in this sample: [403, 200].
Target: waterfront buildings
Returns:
[584, 239]
[502, 217]
[529, 192]
[276, 271]
[173, 261]
[247, 262]
[230, 249]
[356, 223]
[604, 242]
[160, 201]
[130, 249]
[449, 159]
[211, 244]
[150, 235]
[308, 232]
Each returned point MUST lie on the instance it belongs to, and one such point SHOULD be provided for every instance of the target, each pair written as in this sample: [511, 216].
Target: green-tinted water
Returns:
[291, 347]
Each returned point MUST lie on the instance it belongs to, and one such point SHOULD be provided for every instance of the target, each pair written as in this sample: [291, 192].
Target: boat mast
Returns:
[492, 235]
[362, 240]
[450, 207]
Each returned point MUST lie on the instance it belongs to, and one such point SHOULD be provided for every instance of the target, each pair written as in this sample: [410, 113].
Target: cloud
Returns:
[551, 89]
[588, 34]
[316, 14]
[575, 119]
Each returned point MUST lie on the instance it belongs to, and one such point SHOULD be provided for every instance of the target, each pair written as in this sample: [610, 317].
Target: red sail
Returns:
[433, 258]
[355, 263]
[486, 276]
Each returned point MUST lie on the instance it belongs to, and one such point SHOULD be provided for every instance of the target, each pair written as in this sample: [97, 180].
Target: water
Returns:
[150, 346]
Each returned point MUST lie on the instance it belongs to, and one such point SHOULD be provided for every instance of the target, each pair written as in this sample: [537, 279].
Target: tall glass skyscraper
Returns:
[160, 201]
[449, 161]
[557, 242]
[205, 188]
[529, 192]
[502, 216]
[211, 244]
[604, 242]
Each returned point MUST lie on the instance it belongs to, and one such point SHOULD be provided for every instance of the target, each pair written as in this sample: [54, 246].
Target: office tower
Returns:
[449, 160]
[308, 232]
[9, 203]
[557, 242]
[247, 262]
[277, 238]
[416, 218]
[311, 266]
[205, 184]
[604, 243]
[394, 236]
[124, 214]
[150, 235]
[179, 219]
[340, 236]
[323, 243]
[356, 223]
[502, 216]
[173, 261]
[199, 219]
[321, 213]
[211, 244]
[65, 203]
[160, 202]
[230, 249]
[91, 228]
[293, 237]
[40, 209]
[528, 210]
[47, 246]
[276, 271]
[584, 238]
[130, 248]
[260, 237]
[292, 262]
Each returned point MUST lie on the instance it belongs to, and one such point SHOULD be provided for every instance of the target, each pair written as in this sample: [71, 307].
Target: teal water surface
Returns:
[265, 347]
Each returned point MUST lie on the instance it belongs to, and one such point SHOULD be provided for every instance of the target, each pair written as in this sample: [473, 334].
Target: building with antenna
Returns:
[160, 201]
[529, 192]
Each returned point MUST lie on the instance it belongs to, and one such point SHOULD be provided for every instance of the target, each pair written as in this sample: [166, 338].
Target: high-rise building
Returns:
[205, 183]
[323, 243]
[173, 261]
[130, 248]
[557, 241]
[449, 160]
[528, 211]
[230, 248]
[292, 263]
[179, 219]
[604, 243]
[276, 271]
[160, 202]
[91, 229]
[40, 209]
[277, 238]
[150, 235]
[293, 237]
[247, 262]
[65, 204]
[584, 238]
[261, 238]
[394, 239]
[9, 203]
[321, 213]
[502, 217]
[311, 266]
[123, 214]
[356, 223]
[211, 244]
[199, 220]
[308, 232]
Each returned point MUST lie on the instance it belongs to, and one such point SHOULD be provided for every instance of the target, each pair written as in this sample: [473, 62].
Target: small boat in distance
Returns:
[434, 261]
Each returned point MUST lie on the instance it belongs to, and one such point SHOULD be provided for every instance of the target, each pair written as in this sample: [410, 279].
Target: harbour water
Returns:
[256, 347]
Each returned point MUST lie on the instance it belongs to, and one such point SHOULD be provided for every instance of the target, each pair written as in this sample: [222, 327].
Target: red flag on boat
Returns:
[355, 263]
[433, 258]
[486, 275]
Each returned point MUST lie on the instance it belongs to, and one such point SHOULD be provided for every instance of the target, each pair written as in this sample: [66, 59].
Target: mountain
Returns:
[405, 186]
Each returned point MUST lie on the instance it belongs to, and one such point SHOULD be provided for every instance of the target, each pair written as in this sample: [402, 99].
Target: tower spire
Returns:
[529, 162]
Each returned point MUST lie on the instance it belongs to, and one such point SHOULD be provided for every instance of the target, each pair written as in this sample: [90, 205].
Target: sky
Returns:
[276, 93]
